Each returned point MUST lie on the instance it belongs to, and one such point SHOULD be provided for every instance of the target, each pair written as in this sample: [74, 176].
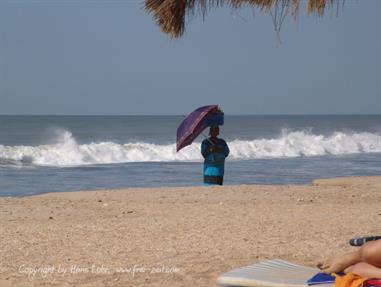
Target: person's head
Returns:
[214, 131]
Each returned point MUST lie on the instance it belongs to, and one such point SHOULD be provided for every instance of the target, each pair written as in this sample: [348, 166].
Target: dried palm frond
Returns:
[170, 14]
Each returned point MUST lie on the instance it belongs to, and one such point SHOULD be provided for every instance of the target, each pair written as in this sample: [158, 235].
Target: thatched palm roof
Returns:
[170, 14]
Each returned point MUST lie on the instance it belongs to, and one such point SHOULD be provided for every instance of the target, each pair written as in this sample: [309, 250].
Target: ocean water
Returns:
[41, 154]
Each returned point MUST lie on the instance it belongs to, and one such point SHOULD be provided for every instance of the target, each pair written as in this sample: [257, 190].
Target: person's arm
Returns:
[205, 148]
[226, 149]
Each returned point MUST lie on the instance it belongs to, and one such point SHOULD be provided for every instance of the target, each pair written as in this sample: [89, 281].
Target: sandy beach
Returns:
[178, 236]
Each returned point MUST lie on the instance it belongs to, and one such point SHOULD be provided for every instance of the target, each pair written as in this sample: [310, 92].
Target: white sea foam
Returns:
[67, 152]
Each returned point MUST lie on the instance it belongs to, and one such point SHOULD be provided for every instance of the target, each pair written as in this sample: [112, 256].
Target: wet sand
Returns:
[179, 236]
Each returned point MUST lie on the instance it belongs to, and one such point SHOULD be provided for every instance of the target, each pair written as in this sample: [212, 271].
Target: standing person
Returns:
[214, 150]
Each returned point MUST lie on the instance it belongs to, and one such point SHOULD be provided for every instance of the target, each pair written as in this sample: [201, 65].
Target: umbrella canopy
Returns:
[193, 125]
[170, 14]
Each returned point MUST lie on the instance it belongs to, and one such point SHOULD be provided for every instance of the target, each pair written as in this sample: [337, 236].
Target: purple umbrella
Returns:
[193, 125]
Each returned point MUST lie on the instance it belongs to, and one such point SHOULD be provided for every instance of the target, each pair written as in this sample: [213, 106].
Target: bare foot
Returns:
[332, 265]
[338, 263]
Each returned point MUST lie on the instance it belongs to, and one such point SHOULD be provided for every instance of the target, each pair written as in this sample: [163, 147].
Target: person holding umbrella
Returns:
[214, 150]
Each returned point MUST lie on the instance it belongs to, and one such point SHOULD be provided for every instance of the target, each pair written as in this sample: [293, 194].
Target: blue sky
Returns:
[109, 57]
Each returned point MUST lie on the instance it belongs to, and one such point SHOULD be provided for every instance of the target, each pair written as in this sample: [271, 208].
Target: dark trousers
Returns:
[213, 180]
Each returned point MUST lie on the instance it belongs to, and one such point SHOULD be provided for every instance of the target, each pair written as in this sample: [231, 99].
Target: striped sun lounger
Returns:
[272, 273]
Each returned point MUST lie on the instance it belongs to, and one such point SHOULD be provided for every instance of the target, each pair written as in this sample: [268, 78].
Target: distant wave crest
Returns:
[67, 152]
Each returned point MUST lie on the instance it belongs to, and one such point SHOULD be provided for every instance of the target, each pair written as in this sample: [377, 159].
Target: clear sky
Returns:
[109, 57]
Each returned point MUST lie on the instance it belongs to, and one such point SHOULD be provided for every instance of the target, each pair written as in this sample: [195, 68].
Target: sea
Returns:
[40, 154]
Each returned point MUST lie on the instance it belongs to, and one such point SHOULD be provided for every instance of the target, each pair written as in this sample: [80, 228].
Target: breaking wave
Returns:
[67, 152]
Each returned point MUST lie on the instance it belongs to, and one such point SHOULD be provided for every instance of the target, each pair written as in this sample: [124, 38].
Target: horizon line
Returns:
[176, 115]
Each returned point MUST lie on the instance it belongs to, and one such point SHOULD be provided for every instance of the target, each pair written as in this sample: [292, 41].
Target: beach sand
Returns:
[179, 236]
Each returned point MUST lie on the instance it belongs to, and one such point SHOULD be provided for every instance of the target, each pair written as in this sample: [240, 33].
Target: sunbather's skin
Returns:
[365, 262]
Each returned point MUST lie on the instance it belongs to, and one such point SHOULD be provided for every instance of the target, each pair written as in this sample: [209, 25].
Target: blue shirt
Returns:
[214, 163]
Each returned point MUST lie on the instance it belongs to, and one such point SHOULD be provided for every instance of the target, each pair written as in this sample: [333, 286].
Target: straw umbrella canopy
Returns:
[170, 14]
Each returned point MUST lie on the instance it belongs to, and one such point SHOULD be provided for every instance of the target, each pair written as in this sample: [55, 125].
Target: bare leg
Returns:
[364, 270]
[369, 253]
